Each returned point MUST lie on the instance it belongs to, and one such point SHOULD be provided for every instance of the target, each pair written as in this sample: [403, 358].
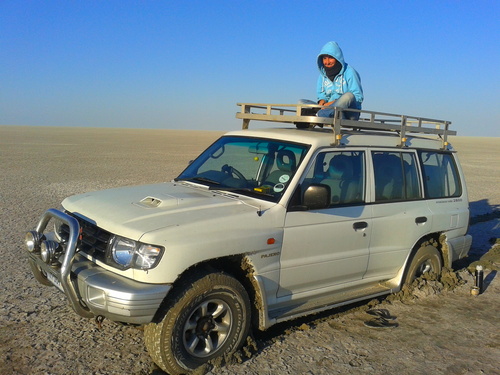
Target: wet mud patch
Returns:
[429, 284]
[490, 260]
[345, 320]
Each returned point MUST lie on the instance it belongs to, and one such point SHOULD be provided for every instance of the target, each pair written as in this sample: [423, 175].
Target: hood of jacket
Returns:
[332, 49]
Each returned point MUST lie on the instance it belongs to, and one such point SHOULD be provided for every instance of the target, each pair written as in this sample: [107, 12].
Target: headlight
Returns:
[128, 253]
[122, 251]
[32, 241]
[50, 251]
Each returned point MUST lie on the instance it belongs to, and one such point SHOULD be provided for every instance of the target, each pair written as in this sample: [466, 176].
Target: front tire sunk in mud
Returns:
[426, 259]
[208, 318]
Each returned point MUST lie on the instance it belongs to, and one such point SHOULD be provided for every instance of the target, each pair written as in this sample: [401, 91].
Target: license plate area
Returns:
[55, 281]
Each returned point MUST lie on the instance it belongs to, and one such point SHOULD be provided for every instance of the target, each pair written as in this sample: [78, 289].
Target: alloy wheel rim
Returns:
[425, 267]
[207, 328]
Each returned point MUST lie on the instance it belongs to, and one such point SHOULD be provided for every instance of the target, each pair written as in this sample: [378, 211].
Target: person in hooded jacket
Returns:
[339, 84]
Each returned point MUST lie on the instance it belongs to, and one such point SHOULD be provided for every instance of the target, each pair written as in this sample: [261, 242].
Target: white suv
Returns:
[264, 226]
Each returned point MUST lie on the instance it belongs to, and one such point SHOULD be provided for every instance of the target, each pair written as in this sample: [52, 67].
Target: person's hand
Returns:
[327, 104]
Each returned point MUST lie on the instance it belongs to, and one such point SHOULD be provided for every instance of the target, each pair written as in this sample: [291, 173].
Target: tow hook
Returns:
[98, 320]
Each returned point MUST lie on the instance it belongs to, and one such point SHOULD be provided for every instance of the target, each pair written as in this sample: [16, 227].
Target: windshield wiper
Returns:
[222, 188]
[198, 179]
[227, 188]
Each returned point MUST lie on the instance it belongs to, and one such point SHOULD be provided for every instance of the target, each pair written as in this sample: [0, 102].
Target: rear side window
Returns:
[396, 176]
[440, 175]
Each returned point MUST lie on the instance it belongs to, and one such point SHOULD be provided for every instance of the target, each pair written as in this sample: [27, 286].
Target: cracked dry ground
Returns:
[441, 331]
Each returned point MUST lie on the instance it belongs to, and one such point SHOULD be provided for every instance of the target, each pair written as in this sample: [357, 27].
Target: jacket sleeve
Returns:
[354, 84]
[320, 92]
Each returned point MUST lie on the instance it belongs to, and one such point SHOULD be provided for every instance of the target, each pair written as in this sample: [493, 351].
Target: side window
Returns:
[396, 176]
[412, 180]
[343, 173]
[440, 175]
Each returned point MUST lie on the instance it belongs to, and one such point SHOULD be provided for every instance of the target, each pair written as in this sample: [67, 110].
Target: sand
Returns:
[441, 331]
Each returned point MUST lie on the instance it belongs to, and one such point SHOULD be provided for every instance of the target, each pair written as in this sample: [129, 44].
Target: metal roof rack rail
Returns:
[292, 113]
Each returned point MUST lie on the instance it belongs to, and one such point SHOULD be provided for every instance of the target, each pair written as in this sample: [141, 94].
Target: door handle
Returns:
[360, 225]
[420, 220]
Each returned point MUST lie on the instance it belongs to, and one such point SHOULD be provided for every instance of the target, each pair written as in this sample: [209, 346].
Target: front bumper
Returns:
[91, 289]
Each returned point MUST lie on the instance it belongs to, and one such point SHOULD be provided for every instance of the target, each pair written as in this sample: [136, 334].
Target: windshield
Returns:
[252, 166]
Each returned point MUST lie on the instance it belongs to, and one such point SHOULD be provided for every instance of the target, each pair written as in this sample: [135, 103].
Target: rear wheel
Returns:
[426, 259]
[207, 319]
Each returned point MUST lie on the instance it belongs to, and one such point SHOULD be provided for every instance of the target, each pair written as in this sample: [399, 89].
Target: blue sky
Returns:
[185, 64]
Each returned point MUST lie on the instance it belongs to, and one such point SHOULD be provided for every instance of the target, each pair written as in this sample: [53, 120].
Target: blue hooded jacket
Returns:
[347, 80]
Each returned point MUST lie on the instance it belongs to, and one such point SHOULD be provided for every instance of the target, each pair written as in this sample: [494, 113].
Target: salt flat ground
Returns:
[441, 332]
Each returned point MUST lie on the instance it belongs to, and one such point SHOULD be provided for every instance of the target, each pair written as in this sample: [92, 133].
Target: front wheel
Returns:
[207, 319]
[426, 259]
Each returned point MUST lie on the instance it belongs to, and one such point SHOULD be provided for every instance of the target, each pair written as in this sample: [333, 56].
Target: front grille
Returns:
[93, 240]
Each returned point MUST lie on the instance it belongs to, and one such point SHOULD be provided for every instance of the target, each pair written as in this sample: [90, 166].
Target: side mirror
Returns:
[317, 196]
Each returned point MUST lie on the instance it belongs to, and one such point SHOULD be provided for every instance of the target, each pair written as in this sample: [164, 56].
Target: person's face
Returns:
[329, 61]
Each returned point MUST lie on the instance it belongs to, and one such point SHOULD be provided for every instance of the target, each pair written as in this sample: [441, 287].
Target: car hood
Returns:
[134, 211]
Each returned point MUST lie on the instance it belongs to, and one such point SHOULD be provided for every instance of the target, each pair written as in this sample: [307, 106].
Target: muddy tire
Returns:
[209, 317]
[426, 259]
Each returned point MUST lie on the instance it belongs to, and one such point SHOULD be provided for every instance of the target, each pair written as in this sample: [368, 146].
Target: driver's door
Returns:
[327, 247]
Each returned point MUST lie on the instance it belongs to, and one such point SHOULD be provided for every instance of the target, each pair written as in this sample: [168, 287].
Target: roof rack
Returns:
[292, 113]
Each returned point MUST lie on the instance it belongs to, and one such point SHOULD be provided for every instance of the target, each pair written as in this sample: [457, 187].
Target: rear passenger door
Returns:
[444, 191]
[400, 216]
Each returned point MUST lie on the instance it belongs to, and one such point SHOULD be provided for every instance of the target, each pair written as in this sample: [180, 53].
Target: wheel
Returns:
[426, 259]
[207, 319]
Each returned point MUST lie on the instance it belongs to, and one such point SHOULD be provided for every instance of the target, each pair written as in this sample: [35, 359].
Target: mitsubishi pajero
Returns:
[266, 225]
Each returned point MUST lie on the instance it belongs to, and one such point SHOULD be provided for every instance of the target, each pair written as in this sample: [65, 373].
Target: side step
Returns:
[296, 309]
